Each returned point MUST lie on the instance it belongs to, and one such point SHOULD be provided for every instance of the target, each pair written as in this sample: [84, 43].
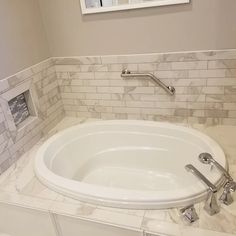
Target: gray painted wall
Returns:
[203, 24]
[23, 40]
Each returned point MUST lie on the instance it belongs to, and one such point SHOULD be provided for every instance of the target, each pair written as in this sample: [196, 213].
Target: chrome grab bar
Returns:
[128, 74]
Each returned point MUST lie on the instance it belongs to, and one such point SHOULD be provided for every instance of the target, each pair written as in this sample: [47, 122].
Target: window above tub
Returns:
[98, 6]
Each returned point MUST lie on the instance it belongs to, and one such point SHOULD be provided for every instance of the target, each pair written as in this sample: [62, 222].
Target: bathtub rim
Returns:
[58, 183]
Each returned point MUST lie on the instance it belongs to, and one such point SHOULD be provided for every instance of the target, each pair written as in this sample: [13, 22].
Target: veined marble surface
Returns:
[19, 186]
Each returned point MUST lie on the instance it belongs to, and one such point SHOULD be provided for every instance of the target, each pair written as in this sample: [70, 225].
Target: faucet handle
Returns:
[226, 196]
[232, 186]
[189, 213]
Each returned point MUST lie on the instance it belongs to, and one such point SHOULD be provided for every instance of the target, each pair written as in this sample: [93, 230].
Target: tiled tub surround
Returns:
[205, 85]
[92, 87]
[20, 187]
[43, 85]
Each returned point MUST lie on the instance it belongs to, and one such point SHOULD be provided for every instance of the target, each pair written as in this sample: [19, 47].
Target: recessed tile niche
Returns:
[19, 106]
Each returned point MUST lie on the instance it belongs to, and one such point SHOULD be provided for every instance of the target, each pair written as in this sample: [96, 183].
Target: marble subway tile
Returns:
[147, 67]
[97, 83]
[230, 89]
[216, 73]
[223, 54]
[4, 85]
[222, 64]
[133, 59]
[229, 106]
[4, 156]
[77, 60]
[107, 75]
[127, 110]
[139, 90]
[120, 67]
[155, 111]
[112, 103]
[98, 96]
[189, 65]
[67, 68]
[84, 89]
[159, 104]
[221, 82]
[78, 75]
[228, 121]
[185, 82]
[213, 90]
[172, 74]
[232, 114]
[215, 98]
[66, 95]
[109, 89]
[231, 73]
[214, 113]
[140, 104]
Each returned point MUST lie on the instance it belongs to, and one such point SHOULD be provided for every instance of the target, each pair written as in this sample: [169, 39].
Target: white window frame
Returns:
[153, 3]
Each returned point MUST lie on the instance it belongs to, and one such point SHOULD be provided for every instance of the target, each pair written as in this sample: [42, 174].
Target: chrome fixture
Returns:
[128, 74]
[211, 205]
[226, 196]
[189, 213]
[206, 158]
[230, 185]
[198, 174]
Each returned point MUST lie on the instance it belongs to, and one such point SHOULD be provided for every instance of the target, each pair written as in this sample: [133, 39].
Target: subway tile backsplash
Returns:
[205, 87]
[92, 87]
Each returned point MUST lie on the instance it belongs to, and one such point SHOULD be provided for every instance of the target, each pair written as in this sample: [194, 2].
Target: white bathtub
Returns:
[128, 164]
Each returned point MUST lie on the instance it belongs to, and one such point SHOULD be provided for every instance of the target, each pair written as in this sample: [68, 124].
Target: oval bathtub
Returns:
[128, 164]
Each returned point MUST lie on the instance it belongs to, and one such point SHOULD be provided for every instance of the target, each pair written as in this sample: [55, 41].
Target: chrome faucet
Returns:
[211, 205]
[230, 185]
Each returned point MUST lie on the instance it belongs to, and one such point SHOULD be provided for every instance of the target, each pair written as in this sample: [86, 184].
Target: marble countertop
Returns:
[19, 186]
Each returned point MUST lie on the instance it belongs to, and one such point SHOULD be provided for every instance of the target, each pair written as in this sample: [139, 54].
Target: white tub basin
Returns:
[128, 164]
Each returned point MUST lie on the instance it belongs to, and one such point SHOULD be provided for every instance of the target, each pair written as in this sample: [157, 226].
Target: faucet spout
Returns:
[199, 175]
[211, 205]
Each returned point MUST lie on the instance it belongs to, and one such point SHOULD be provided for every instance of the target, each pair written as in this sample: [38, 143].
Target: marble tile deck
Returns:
[19, 186]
